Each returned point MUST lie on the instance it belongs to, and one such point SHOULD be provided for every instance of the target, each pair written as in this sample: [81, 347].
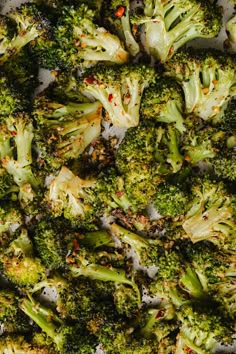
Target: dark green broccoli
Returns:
[29, 25]
[74, 301]
[211, 214]
[52, 238]
[163, 102]
[11, 99]
[170, 24]
[12, 319]
[207, 77]
[119, 89]
[170, 200]
[19, 264]
[67, 338]
[65, 130]
[117, 18]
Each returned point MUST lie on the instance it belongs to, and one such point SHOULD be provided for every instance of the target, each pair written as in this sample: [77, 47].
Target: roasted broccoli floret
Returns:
[163, 102]
[11, 99]
[12, 319]
[19, 264]
[67, 196]
[170, 24]
[231, 29]
[170, 200]
[226, 118]
[117, 15]
[52, 239]
[79, 42]
[201, 329]
[30, 25]
[20, 168]
[10, 217]
[65, 130]
[13, 343]
[68, 339]
[120, 90]
[207, 78]
[211, 214]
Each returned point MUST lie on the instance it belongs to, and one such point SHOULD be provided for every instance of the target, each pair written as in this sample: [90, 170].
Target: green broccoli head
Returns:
[81, 42]
[163, 102]
[170, 200]
[169, 25]
[226, 118]
[11, 99]
[120, 90]
[67, 195]
[30, 25]
[12, 318]
[207, 78]
[18, 263]
[65, 130]
[212, 214]
[11, 216]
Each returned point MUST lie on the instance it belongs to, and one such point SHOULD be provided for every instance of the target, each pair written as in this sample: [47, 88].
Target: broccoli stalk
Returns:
[170, 24]
[119, 90]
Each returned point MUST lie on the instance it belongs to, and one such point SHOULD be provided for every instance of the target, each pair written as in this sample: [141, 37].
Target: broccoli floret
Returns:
[170, 200]
[120, 91]
[211, 215]
[12, 319]
[74, 301]
[52, 238]
[207, 78]
[68, 339]
[22, 71]
[163, 102]
[65, 130]
[30, 25]
[19, 264]
[67, 195]
[79, 42]
[201, 329]
[20, 168]
[11, 99]
[13, 343]
[170, 24]
[117, 18]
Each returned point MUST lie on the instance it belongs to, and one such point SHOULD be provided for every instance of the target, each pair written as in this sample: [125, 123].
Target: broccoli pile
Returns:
[118, 179]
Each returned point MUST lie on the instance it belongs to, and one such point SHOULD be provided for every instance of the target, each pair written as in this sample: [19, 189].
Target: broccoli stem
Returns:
[190, 282]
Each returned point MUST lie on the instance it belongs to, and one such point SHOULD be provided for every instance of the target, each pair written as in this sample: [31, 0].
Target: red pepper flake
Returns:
[189, 350]
[221, 276]
[120, 194]
[90, 80]
[171, 50]
[120, 12]
[110, 97]
[13, 133]
[160, 314]
[75, 245]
